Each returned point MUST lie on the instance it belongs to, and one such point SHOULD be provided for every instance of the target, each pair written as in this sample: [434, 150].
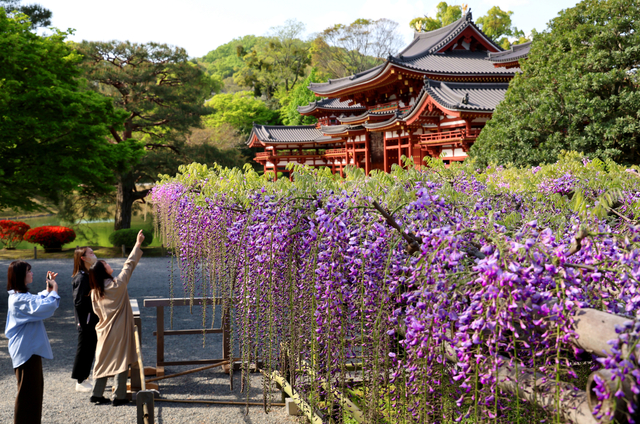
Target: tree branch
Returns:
[153, 146]
[138, 195]
[115, 134]
[412, 240]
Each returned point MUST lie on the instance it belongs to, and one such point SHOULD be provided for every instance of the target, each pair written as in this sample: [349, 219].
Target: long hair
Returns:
[16, 275]
[97, 276]
[78, 263]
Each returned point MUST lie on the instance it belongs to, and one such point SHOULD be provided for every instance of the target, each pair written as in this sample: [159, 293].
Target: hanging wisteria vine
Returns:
[419, 296]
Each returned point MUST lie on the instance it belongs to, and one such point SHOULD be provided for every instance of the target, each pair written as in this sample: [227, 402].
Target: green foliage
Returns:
[53, 133]
[155, 83]
[496, 23]
[38, 15]
[343, 50]
[578, 91]
[506, 44]
[128, 236]
[299, 96]
[240, 110]
[446, 15]
[222, 145]
[275, 63]
[224, 60]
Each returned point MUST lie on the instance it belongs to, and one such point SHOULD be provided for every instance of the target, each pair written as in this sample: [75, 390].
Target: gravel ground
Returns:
[62, 404]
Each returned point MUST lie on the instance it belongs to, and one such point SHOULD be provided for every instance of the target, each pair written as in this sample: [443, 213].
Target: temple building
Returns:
[431, 99]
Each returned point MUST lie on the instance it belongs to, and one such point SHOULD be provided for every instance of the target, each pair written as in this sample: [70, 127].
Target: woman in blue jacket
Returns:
[28, 341]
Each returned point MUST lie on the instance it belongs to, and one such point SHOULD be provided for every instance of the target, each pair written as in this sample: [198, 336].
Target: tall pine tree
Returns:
[161, 91]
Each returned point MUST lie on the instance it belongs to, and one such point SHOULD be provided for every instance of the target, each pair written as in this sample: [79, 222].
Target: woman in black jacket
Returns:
[86, 319]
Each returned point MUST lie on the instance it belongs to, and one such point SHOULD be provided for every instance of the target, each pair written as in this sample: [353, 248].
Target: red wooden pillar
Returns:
[367, 154]
[345, 160]
[399, 132]
[355, 154]
[386, 160]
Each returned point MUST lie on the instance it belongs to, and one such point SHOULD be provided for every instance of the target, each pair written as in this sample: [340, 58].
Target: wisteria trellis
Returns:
[314, 273]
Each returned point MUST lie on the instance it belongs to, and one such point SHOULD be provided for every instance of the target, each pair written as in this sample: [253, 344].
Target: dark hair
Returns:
[78, 263]
[17, 275]
[97, 276]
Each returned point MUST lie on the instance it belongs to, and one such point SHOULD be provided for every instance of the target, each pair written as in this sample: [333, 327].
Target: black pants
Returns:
[87, 341]
[28, 407]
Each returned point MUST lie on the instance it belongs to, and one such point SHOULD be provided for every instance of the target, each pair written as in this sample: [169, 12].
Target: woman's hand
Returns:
[140, 238]
[51, 281]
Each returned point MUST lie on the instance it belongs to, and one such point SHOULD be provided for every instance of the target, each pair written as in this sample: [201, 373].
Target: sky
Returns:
[200, 26]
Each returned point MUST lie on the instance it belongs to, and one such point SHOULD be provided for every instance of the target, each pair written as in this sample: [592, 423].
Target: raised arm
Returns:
[37, 308]
[132, 261]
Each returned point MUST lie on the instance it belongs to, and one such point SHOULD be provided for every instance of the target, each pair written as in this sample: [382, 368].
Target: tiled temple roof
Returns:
[458, 62]
[330, 104]
[469, 97]
[369, 113]
[431, 41]
[340, 129]
[423, 55]
[273, 134]
[466, 96]
[515, 53]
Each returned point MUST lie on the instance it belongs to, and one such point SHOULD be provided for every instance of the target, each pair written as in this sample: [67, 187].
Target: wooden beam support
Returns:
[302, 404]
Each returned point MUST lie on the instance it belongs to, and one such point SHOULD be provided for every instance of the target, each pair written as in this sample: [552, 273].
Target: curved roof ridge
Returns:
[373, 125]
[517, 51]
[350, 78]
[477, 97]
[451, 36]
[445, 31]
[452, 94]
[346, 119]
[329, 103]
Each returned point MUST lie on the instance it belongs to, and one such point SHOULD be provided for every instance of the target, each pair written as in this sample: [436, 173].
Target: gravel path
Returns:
[62, 404]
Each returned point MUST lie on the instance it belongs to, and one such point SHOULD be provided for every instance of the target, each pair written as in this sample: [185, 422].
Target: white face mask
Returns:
[91, 259]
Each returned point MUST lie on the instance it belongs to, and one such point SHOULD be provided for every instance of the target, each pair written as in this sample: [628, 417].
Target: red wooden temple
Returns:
[432, 99]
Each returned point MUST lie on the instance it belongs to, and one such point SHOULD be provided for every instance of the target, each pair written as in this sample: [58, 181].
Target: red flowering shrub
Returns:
[11, 232]
[50, 236]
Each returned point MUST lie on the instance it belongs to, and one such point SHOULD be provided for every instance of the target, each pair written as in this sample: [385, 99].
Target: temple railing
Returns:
[334, 152]
[384, 107]
[461, 134]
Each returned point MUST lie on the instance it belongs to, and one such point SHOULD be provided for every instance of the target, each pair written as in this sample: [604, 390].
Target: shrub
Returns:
[127, 236]
[50, 236]
[12, 232]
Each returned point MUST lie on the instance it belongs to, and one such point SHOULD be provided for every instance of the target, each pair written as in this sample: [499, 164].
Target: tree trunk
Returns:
[124, 201]
[125, 196]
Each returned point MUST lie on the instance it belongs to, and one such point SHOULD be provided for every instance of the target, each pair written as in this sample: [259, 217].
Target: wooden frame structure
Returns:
[161, 332]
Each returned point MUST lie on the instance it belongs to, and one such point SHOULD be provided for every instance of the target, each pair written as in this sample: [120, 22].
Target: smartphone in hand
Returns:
[49, 276]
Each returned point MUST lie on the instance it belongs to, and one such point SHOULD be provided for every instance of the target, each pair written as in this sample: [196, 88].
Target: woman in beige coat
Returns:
[116, 348]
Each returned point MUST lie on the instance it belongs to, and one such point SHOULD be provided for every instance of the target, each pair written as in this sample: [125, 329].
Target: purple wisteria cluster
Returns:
[562, 185]
[385, 293]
